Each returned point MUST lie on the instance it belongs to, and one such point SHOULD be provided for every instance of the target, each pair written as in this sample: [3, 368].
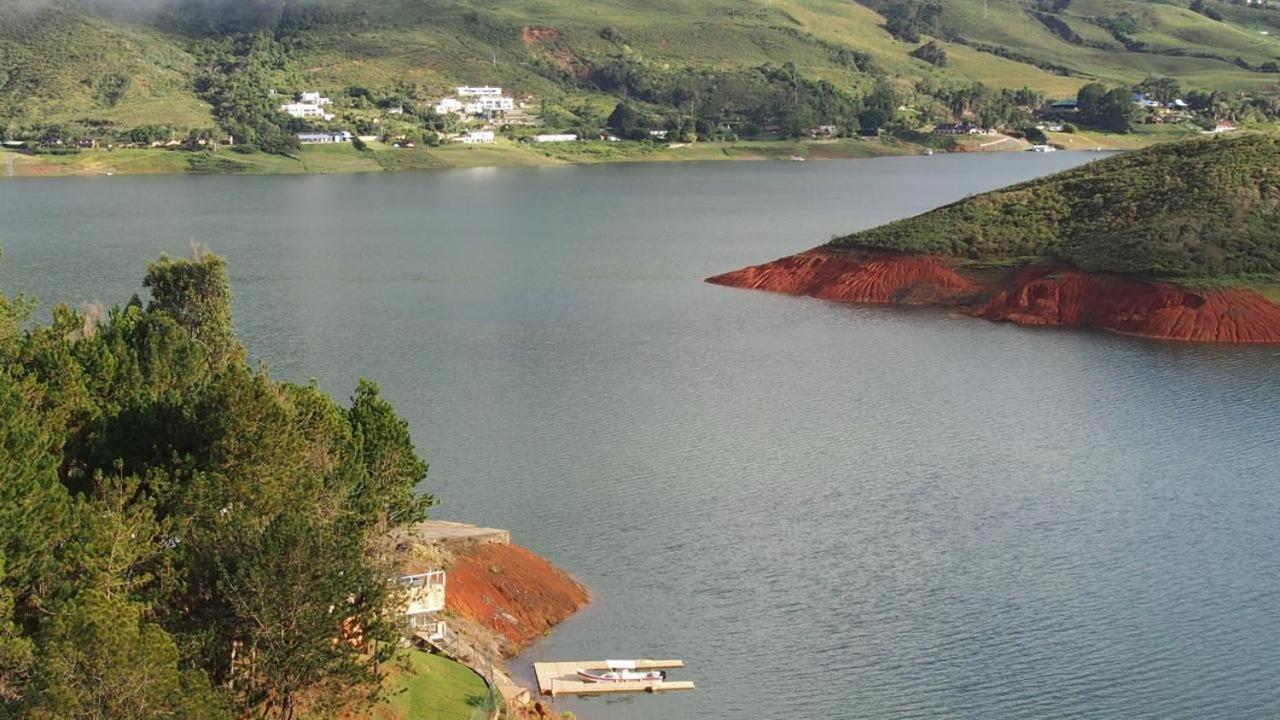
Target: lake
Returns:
[828, 511]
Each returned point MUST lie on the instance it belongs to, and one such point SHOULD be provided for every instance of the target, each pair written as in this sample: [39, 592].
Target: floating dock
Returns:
[561, 678]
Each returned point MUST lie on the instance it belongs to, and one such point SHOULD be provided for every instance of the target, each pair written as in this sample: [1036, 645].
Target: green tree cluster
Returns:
[750, 99]
[1113, 110]
[907, 20]
[1194, 209]
[236, 79]
[932, 53]
[182, 536]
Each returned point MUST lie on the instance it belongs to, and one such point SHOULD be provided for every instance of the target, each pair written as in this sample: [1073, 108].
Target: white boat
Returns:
[622, 671]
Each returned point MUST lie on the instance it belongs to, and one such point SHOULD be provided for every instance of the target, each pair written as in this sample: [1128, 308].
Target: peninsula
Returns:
[1179, 242]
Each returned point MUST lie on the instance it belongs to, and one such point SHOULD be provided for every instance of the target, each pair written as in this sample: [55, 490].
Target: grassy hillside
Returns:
[64, 61]
[1197, 209]
[61, 65]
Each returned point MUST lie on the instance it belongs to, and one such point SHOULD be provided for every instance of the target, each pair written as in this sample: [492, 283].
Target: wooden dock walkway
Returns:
[561, 678]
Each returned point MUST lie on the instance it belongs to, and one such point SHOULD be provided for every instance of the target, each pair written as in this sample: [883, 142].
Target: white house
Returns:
[962, 128]
[484, 91]
[324, 138]
[424, 597]
[313, 98]
[448, 105]
[478, 106]
[305, 110]
[476, 137]
[493, 104]
[561, 137]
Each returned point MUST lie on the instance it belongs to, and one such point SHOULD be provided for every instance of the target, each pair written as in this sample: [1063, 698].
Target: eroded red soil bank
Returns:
[512, 591]
[1034, 295]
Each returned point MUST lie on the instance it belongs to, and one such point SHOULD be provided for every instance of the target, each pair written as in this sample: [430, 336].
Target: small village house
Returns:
[323, 138]
[961, 128]
[476, 137]
[424, 598]
[482, 91]
[479, 101]
[308, 105]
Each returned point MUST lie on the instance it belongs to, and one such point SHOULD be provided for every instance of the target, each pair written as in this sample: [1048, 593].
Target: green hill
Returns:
[127, 63]
[1198, 209]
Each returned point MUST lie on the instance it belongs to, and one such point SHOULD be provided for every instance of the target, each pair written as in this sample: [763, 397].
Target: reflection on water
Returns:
[827, 511]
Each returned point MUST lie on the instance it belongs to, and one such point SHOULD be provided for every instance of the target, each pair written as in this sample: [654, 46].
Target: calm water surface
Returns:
[827, 511]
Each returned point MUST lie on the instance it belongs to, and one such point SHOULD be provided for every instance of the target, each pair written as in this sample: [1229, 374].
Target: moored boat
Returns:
[622, 671]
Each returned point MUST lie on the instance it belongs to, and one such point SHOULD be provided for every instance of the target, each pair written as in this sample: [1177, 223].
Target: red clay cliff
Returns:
[1032, 295]
[512, 591]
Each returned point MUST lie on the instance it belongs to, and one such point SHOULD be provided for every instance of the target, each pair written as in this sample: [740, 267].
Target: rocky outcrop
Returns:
[1065, 296]
[511, 591]
[1032, 295]
[857, 276]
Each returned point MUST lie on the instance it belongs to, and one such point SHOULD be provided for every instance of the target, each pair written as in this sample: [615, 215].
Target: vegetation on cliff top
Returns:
[1197, 209]
[180, 535]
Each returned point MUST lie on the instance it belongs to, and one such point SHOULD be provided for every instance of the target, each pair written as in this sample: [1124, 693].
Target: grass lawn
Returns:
[337, 158]
[1143, 136]
[97, 162]
[1270, 292]
[431, 688]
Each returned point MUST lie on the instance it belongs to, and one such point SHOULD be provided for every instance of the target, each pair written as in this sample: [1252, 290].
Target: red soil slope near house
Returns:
[511, 591]
[1034, 295]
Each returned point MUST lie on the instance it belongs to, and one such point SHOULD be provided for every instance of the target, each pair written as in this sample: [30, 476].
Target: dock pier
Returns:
[561, 678]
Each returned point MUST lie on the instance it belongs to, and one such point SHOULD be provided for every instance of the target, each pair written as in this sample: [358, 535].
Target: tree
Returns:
[16, 651]
[100, 659]
[230, 527]
[628, 123]
[932, 53]
[1112, 110]
[879, 107]
[304, 600]
[1089, 99]
[1034, 135]
[391, 466]
[909, 19]
[1159, 87]
[37, 516]
[196, 293]
[1117, 113]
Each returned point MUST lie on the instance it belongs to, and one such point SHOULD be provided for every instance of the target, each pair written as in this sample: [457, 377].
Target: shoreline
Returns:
[1041, 294]
[500, 598]
[379, 157]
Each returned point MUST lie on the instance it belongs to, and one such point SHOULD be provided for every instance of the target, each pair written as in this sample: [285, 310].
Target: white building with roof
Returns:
[476, 137]
[483, 91]
[305, 110]
[449, 105]
[424, 598]
[323, 138]
[495, 104]
[313, 98]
